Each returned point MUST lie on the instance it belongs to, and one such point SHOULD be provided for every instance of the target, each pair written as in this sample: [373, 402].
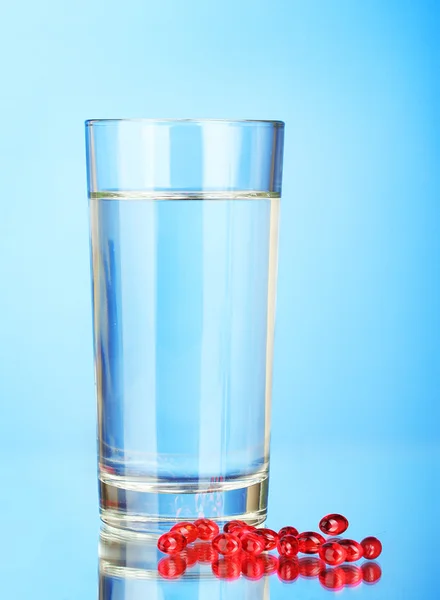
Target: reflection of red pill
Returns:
[252, 567]
[353, 575]
[172, 542]
[309, 542]
[353, 549]
[332, 579]
[270, 538]
[172, 567]
[207, 529]
[332, 553]
[226, 544]
[205, 552]
[252, 543]
[333, 524]
[371, 547]
[227, 568]
[188, 530]
[190, 555]
[310, 566]
[287, 531]
[288, 546]
[288, 569]
[371, 572]
[270, 563]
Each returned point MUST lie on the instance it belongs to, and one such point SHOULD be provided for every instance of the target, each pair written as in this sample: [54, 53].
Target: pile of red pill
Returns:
[241, 549]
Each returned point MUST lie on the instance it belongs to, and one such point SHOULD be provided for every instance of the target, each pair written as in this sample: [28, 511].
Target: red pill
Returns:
[190, 555]
[270, 538]
[226, 544]
[332, 553]
[309, 542]
[207, 529]
[288, 569]
[353, 575]
[252, 567]
[288, 546]
[288, 531]
[353, 549]
[371, 572]
[172, 542]
[332, 579]
[172, 567]
[252, 543]
[310, 566]
[227, 568]
[231, 525]
[244, 530]
[333, 524]
[188, 530]
[270, 563]
[205, 552]
[371, 547]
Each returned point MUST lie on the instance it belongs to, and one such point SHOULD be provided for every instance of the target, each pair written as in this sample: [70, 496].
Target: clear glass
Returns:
[184, 235]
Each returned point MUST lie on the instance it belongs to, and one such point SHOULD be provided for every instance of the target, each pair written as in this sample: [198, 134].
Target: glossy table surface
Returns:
[50, 527]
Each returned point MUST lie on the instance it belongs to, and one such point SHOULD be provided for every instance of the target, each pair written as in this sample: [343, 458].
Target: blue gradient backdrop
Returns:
[357, 367]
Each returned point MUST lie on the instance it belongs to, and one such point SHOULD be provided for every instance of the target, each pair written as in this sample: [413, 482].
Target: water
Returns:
[184, 294]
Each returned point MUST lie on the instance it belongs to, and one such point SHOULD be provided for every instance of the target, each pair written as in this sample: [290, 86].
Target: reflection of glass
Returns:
[128, 571]
[184, 233]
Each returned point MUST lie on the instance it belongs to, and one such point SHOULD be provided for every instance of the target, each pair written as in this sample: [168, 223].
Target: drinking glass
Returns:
[184, 235]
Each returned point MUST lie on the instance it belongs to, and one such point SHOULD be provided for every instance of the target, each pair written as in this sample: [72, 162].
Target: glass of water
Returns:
[184, 235]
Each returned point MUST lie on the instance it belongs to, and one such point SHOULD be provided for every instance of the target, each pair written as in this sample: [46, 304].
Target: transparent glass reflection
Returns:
[128, 570]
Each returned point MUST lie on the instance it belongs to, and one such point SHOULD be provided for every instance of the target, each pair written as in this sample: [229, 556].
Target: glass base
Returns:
[152, 507]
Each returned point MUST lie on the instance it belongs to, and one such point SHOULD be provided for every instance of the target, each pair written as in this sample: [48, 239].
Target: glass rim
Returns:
[152, 121]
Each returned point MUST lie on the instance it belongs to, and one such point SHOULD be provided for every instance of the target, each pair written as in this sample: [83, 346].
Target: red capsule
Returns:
[353, 575]
[226, 544]
[332, 579]
[288, 569]
[190, 555]
[205, 552]
[227, 568]
[288, 531]
[252, 543]
[309, 542]
[270, 563]
[310, 566]
[288, 546]
[171, 567]
[270, 538]
[332, 553]
[172, 542]
[231, 525]
[241, 531]
[371, 572]
[371, 547]
[353, 549]
[333, 524]
[252, 567]
[206, 529]
[188, 530]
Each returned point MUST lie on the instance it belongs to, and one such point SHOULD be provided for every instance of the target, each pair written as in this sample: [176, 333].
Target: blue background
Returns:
[357, 367]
